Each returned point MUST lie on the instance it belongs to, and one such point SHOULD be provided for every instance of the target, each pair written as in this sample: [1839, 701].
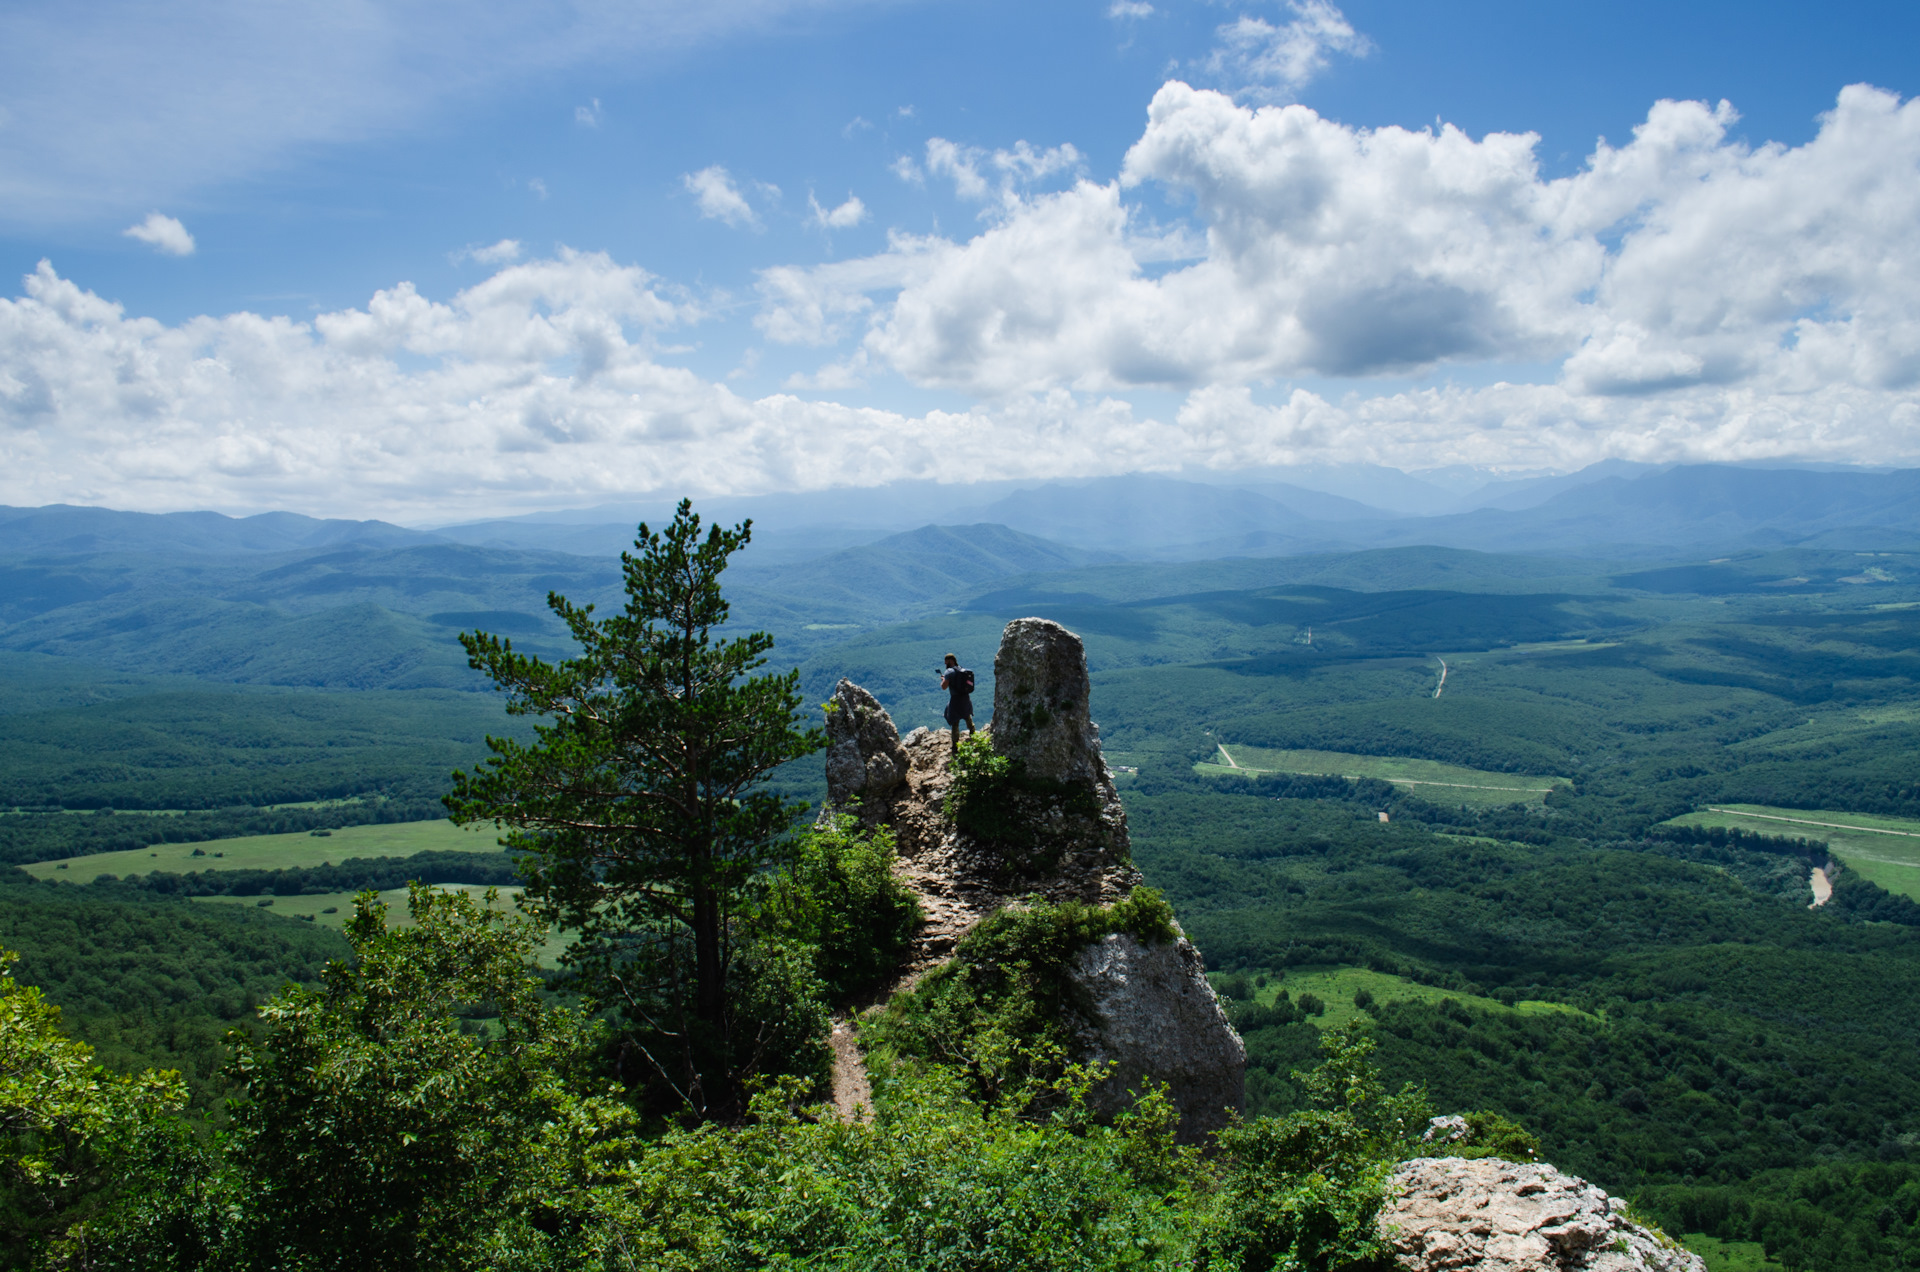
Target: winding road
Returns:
[1443, 677]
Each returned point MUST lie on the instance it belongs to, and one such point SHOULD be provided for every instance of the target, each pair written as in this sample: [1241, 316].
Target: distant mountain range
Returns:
[292, 600]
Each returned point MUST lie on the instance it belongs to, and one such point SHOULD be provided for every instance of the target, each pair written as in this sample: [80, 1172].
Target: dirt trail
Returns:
[1443, 677]
[1228, 757]
[1822, 888]
[852, 1093]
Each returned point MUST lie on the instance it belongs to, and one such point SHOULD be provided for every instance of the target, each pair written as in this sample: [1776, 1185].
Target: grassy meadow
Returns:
[333, 909]
[1336, 985]
[1431, 780]
[274, 852]
[1884, 850]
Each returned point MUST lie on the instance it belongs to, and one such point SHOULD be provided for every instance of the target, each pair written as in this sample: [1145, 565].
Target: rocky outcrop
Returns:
[1495, 1216]
[1148, 1007]
[864, 757]
[1042, 707]
[1155, 1018]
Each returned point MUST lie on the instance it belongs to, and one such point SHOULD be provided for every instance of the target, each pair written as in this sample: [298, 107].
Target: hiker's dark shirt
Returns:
[959, 701]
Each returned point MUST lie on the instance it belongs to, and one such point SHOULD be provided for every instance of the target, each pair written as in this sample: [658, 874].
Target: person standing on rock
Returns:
[958, 682]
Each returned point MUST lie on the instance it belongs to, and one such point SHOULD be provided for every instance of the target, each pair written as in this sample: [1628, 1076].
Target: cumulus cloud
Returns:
[1685, 296]
[1129, 9]
[1259, 59]
[844, 217]
[164, 233]
[1681, 258]
[719, 198]
[587, 116]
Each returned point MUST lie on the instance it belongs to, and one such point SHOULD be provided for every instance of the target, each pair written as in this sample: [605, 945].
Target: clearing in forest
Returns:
[1431, 780]
[1885, 850]
[333, 909]
[1335, 986]
[298, 850]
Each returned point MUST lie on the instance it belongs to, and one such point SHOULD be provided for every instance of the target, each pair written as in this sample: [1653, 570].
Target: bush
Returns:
[1305, 1191]
[1002, 1013]
[840, 897]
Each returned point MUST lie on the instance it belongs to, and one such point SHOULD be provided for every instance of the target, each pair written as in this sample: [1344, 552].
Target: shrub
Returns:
[839, 896]
[1305, 1191]
[1002, 1013]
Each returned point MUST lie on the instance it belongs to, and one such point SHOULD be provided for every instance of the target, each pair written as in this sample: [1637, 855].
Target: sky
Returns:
[423, 261]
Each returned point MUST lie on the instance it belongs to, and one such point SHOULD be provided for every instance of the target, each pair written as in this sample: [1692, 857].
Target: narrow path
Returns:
[1228, 755]
[1443, 677]
[1802, 821]
[852, 1093]
[1822, 888]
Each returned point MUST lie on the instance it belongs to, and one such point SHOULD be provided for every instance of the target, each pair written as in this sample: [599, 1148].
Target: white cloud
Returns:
[164, 233]
[538, 187]
[1259, 59]
[907, 170]
[1129, 9]
[120, 105]
[844, 217]
[587, 116]
[504, 252]
[1005, 171]
[719, 198]
[1685, 296]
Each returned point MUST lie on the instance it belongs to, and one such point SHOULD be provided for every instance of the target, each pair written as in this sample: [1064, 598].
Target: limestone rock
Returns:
[1495, 1216]
[1041, 713]
[1155, 1016]
[864, 757]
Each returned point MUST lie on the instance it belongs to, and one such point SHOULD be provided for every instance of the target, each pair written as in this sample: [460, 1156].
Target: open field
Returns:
[1731, 1256]
[1429, 779]
[274, 852]
[333, 909]
[1335, 986]
[1885, 850]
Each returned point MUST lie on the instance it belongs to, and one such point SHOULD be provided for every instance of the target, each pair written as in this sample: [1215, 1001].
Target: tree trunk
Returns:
[710, 1004]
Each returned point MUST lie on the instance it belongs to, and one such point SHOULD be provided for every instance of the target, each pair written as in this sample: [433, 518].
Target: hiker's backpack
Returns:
[966, 680]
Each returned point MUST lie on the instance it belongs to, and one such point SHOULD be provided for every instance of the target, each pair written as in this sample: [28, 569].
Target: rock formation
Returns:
[1042, 708]
[1154, 1016]
[864, 757]
[1495, 1216]
[1150, 1008]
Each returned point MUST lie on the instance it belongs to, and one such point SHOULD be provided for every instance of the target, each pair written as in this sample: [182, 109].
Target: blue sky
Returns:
[754, 245]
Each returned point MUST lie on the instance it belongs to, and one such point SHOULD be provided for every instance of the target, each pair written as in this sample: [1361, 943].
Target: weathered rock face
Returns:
[1041, 714]
[1149, 1009]
[1157, 1019]
[864, 757]
[1495, 1216]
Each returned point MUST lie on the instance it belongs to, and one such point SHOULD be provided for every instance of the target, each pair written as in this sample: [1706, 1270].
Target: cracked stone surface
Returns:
[1496, 1216]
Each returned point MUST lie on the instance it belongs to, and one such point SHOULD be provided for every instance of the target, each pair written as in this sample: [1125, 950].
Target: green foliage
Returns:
[379, 1129]
[638, 804]
[1489, 1134]
[935, 1183]
[1863, 1215]
[1002, 1013]
[67, 1125]
[1305, 1191]
[839, 896]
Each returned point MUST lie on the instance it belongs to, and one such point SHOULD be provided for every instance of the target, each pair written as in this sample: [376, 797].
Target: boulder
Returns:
[1495, 1216]
[865, 760]
[1155, 1017]
[1041, 714]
